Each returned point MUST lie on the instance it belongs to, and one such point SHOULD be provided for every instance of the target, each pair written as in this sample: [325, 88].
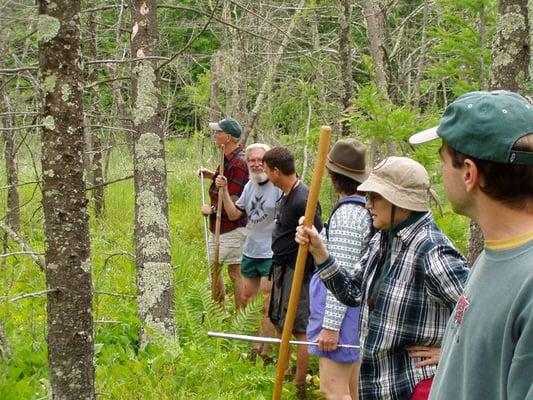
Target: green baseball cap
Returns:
[228, 125]
[485, 125]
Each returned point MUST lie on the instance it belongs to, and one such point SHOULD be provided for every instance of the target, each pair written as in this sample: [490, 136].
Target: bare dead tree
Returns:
[345, 60]
[94, 139]
[268, 76]
[66, 225]
[375, 25]
[422, 57]
[10, 159]
[155, 284]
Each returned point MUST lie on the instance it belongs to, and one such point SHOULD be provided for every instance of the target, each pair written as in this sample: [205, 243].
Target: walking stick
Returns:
[314, 191]
[206, 236]
[215, 290]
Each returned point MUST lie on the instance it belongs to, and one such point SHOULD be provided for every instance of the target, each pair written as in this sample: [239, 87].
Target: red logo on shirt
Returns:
[462, 306]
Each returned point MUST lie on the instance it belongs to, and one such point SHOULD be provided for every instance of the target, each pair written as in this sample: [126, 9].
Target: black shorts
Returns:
[279, 300]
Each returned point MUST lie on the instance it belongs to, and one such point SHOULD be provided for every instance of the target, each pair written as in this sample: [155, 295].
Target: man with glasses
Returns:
[407, 283]
[226, 134]
[258, 203]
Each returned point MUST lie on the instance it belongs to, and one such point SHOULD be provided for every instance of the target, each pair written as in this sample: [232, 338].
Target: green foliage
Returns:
[461, 56]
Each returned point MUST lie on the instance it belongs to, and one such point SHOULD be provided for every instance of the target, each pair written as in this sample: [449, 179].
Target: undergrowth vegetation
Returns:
[196, 366]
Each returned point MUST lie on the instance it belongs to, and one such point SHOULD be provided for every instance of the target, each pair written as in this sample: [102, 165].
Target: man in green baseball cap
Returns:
[226, 134]
[487, 168]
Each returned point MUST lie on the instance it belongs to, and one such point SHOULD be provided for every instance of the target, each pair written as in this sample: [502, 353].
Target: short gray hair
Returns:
[254, 146]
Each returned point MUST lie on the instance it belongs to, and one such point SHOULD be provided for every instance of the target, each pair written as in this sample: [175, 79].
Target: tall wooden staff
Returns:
[215, 269]
[314, 191]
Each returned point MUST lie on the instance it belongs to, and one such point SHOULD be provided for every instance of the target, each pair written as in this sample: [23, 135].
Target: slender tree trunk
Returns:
[94, 134]
[66, 225]
[155, 283]
[375, 25]
[482, 43]
[215, 112]
[422, 58]
[5, 351]
[345, 61]
[10, 159]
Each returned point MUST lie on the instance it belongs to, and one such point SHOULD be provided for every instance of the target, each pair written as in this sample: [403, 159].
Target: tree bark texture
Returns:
[345, 61]
[155, 283]
[511, 47]
[94, 141]
[67, 253]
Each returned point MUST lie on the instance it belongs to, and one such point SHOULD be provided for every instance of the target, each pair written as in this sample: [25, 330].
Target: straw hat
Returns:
[401, 181]
[347, 157]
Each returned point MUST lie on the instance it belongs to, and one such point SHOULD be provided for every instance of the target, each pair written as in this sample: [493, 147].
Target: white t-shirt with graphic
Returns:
[258, 201]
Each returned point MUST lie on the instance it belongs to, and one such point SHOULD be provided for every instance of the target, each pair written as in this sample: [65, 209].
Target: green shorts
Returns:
[255, 267]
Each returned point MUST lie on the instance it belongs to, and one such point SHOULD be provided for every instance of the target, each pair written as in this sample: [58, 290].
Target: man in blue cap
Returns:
[487, 168]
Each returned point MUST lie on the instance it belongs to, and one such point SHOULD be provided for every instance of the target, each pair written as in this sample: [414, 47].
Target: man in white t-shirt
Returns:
[258, 203]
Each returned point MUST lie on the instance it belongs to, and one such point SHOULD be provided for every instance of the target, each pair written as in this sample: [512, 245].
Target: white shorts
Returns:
[231, 245]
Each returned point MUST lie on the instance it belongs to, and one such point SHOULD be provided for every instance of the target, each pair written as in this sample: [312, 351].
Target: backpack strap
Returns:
[345, 200]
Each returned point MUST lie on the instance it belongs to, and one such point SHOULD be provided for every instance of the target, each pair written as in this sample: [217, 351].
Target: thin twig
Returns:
[34, 294]
[17, 253]
[126, 60]
[115, 294]
[110, 182]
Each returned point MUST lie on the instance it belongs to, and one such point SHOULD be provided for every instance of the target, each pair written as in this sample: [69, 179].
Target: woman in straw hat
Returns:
[407, 282]
[346, 235]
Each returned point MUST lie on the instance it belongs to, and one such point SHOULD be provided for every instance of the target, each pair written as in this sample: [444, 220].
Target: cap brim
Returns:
[424, 136]
[214, 126]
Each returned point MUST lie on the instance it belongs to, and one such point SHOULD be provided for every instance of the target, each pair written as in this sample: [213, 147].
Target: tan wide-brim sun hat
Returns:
[401, 181]
[347, 157]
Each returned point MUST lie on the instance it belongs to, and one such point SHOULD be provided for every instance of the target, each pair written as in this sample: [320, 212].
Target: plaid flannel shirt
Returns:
[236, 172]
[413, 305]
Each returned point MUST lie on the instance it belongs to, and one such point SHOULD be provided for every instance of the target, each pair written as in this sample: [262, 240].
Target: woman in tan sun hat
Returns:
[346, 236]
[406, 283]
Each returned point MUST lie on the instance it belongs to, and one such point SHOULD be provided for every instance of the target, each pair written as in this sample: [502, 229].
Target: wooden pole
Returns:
[312, 200]
[215, 269]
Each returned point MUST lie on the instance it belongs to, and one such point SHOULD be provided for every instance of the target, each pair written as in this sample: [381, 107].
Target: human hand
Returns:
[221, 181]
[429, 355]
[205, 173]
[328, 340]
[206, 210]
[309, 235]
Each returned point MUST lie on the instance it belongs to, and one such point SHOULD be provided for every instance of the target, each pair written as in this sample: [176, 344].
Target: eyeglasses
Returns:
[255, 160]
[372, 196]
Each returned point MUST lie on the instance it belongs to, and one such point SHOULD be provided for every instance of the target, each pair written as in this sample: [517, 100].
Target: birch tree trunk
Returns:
[67, 253]
[155, 283]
